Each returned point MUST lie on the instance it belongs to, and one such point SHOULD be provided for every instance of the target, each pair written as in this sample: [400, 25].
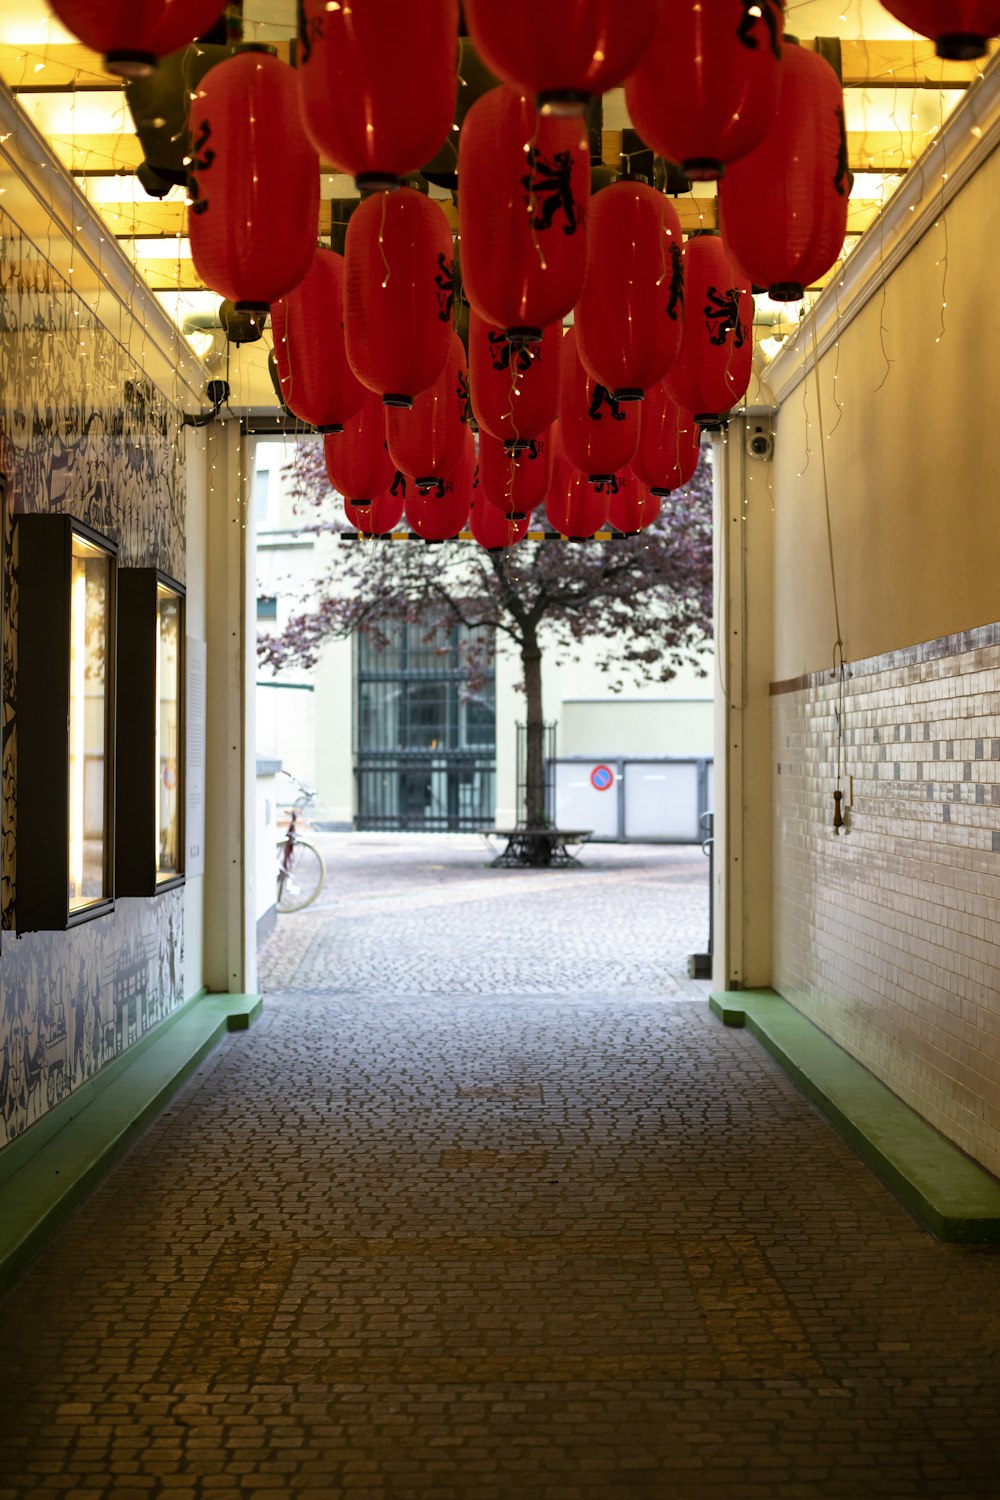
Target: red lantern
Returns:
[357, 462]
[599, 434]
[133, 35]
[785, 205]
[522, 213]
[440, 511]
[669, 443]
[491, 528]
[378, 83]
[630, 315]
[378, 517]
[317, 383]
[253, 181]
[631, 507]
[427, 441]
[705, 90]
[400, 291]
[713, 368]
[563, 51]
[515, 483]
[514, 387]
[574, 507]
[959, 28]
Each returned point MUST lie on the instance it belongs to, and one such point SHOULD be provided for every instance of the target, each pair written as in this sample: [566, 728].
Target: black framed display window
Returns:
[66, 672]
[150, 803]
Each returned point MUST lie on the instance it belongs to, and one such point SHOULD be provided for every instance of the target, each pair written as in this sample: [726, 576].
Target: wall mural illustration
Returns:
[84, 433]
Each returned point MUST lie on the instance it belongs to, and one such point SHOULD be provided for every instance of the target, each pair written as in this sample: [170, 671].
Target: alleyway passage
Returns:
[488, 1206]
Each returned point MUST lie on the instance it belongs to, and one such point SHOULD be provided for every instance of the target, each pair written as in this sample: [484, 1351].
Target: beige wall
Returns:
[334, 719]
[885, 934]
[912, 463]
[646, 718]
[630, 727]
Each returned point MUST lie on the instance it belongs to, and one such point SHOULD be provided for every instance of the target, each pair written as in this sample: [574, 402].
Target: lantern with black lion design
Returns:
[629, 318]
[563, 52]
[378, 83]
[705, 90]
[253, 181]
[514, 388]
[133, 35]
[959, 28]
[400, 291]
[317, 383]
[713, 368]
[598, 433]
[783, 208]
[524, 193]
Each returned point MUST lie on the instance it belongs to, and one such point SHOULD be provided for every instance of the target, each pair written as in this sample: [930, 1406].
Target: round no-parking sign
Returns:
[601, 778]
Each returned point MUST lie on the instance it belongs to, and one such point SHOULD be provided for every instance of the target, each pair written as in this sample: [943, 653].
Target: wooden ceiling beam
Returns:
[48, 68]
[64, 65]
[867, 150]
[67, 66]
[901, 64]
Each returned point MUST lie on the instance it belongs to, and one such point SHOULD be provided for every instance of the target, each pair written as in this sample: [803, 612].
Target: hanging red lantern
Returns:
[599, 433]
[629, 337]
[132, 35]
[515, 483]
[562, 51]
[357, 461]
[574, 507]
[378, 83]
[400, 292]
[376, 517]
[785, 205]
[440, 511]
[514, 387]
[669, 443]
[522, 213]
[705, 90]
[631, 507]
[427, 441]
[317, 383]
[714, 366]
[253, 181]
[491, 528]
[959, 28]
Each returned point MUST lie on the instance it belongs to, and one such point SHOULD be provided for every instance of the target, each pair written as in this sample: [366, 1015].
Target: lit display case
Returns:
[150, 780]
[65, 715]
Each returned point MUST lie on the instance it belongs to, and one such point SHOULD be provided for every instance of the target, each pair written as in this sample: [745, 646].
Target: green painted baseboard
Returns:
[957, 1199]
[46, 1172]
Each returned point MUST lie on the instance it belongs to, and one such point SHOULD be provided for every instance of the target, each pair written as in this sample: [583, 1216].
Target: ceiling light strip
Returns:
[166, 356]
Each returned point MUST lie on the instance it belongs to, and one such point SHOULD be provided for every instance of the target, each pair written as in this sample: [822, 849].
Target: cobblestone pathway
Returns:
[416, 915]
[435, 1244]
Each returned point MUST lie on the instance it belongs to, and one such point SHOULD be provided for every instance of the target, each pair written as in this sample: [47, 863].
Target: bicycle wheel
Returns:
[300, 875]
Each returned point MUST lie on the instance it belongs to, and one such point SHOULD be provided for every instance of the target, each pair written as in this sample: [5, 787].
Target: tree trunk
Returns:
[539, 849]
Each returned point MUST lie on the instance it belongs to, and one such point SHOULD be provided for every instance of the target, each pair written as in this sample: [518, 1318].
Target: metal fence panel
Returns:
[661, 801]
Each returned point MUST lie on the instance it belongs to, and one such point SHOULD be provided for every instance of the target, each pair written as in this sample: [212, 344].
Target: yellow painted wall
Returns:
[912, 461]
[884, 934]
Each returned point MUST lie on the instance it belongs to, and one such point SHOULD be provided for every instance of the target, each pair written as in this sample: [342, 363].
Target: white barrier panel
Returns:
[661, 801]
[587, 795]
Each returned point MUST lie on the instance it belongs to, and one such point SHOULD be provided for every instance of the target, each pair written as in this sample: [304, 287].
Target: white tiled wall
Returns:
[888, 934]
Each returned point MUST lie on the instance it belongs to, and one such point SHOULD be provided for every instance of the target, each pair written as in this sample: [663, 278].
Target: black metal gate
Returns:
[446, 793]
[426, 741]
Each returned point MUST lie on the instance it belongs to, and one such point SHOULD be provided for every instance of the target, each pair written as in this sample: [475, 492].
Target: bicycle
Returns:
[301, 870]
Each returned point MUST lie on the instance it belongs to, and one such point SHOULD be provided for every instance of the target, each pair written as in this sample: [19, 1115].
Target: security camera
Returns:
[760, 440]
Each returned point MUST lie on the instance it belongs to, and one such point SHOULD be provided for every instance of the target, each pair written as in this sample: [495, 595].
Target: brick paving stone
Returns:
[424, 1232]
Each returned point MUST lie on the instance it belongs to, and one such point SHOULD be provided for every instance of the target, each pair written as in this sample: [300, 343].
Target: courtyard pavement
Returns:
[488, 1206]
